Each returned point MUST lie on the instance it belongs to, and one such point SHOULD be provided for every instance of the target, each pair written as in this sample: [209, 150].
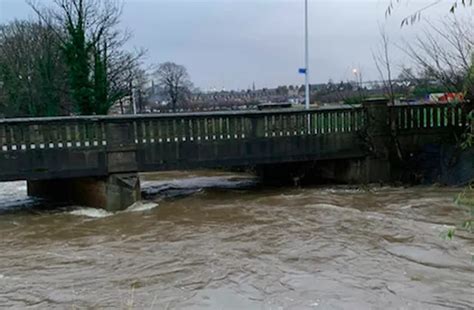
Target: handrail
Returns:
[173, 115]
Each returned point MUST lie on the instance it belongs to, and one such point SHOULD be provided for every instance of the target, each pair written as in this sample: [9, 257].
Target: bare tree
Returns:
[416, 15]
[175, 80]
[444, 53]
[383, 63]
[138, 80]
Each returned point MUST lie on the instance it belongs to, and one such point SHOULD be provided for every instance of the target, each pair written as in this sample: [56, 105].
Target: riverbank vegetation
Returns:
[464, 200]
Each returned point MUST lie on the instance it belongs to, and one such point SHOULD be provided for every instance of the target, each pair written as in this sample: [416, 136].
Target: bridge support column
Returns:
[113, 193]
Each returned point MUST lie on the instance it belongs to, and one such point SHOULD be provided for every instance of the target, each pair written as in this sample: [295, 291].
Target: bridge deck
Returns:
[62, 147]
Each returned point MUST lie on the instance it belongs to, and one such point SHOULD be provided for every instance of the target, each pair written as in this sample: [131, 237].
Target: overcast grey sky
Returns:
[233, 43]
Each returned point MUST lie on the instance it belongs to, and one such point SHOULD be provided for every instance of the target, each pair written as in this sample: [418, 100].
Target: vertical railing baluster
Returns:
[300, 123]
[144, 131]
[3, 140]
[75, 136]
[442, 116]
[18, 136]
[450, 116]
[53, 135]
[233, 127]
[431, 117]
[214, 127]
[170, 130]
[62, 135]
[323, 123]
[457, 118]
[222, 128]
[280, 125]
[409, 118]
[314, 123]
[330, 122]
[191, 129]
[416, 117]
[175, 132]
[398, 115]
[351, 121]
[425, 116]
[180, 129]
[8, 137]
[350, 116]
[88, 133]
[84, 133]
[272, 126]
[206, 128]
[435, 112]
[100, 132]
[201, 128]
[345, 117]
[337, 121]
[149, 136]
[241, 127]
[45, 129]
[187, 129]
[163, 129]
[158, 130]
[247, 127]
[286, 124]
[70, 131]
[463, 117]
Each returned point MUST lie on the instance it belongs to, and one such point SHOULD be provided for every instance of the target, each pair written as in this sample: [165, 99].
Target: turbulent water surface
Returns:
[221, 241]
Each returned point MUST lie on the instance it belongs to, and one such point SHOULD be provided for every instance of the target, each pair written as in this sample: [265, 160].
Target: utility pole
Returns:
[306, 56]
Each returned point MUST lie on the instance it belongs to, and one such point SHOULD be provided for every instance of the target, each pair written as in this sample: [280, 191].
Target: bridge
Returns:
[94, 160]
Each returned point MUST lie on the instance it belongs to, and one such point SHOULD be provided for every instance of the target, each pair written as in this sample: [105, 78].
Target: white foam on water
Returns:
[91, 212]
[141, 206]
[14, 194]
[200, 182]
[332, 207]
[341, 190]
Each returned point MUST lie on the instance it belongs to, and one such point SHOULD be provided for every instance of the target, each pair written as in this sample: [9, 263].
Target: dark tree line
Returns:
[32, 71]
[70, 60]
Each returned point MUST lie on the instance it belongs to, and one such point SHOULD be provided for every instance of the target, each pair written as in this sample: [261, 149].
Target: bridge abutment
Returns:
[113, 193]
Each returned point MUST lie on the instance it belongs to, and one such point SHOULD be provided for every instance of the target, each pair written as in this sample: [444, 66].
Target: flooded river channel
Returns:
[211, 240]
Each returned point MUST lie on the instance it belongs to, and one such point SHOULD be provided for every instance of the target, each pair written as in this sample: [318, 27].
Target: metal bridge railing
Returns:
[428, 116]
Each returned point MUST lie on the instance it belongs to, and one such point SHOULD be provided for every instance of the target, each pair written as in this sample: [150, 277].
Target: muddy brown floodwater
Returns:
[207, 240]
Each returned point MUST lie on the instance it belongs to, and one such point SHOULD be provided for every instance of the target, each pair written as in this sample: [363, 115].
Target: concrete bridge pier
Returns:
[113, 193]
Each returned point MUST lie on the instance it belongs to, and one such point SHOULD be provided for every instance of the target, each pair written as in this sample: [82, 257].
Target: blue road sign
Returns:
[302, 70]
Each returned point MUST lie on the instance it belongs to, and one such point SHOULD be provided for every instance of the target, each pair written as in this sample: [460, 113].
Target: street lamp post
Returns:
[306, 56]
[356, 75]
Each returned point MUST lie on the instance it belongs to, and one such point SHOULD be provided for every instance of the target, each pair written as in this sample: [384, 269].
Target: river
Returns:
[215, 240]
